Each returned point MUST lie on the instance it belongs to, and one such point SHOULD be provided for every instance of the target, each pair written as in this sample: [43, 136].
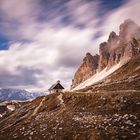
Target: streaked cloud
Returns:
[46, 46]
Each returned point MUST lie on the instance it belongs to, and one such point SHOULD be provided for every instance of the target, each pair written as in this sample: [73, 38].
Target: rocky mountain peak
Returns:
[113, 36]
[104, 55]
[88, 58]
[128, 30]
[86, 70]
[113, 40]
[88, 54]
[118, 48]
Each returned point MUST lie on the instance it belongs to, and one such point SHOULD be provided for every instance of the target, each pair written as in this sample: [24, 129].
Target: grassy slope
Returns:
[85, 116]
[108, 110]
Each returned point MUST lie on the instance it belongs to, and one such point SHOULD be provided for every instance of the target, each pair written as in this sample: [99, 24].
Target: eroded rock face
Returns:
[104, 55]
[86, 70]
[118, 48]
[128, 30]
[111, 53]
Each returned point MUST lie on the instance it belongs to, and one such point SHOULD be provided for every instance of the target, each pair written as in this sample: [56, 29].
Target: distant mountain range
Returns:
[17, 94]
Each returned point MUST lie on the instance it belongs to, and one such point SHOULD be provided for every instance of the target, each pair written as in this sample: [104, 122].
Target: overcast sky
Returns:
[42, 41]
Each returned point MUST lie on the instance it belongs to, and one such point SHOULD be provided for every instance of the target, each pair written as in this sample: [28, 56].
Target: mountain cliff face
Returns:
[87, 69]
[118, 48]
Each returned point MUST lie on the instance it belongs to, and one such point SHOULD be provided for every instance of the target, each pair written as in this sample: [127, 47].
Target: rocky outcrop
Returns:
[128, 30]
[118, 48]
[104, 55]
[86, 70]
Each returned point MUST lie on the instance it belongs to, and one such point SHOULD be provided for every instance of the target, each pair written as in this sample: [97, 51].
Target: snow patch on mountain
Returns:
[11, 107]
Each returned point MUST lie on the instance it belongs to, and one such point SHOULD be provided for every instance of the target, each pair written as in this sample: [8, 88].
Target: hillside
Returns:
[76, 116]
[108, 110]
[7, 107]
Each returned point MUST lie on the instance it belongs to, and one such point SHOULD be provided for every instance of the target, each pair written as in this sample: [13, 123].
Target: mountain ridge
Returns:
[17, 94]
[122, 47]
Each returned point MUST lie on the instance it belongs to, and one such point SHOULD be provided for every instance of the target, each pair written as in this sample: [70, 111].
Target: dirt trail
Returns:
[38, 107]
[60, 98]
